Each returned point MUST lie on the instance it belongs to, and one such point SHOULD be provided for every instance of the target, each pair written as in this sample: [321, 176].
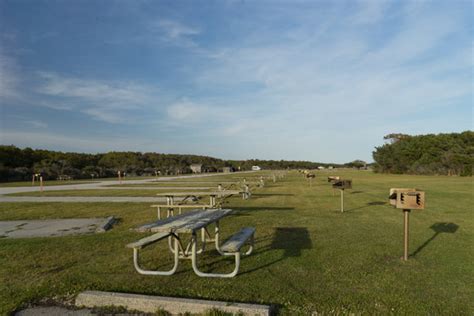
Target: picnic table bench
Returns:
[173, 229]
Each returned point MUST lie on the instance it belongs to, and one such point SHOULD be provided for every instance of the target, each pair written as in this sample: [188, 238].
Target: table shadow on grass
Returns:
[290, 239]
[245, 211]
[438, 228]
[257, 195]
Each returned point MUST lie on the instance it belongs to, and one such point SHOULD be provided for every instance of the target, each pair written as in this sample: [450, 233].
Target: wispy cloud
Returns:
[349, 75]
[107, 101]
[36, 124]
[8, 76]
[91, 143]
[174, 32]
[370, 11]
[186, 111]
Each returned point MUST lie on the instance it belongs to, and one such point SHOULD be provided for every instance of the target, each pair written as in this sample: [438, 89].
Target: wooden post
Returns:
[342, 201]
[41, 183]
[406, 214]
[119, 177]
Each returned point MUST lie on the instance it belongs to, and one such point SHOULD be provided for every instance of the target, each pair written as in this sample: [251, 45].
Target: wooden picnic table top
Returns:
[186, 223]
[223, 192]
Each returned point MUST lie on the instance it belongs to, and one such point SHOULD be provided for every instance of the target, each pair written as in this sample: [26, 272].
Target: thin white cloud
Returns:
[187, 111]
[370, 11]
[8, 76]
[201, 113]
[91, 143]
[108, 101]
[121, 93]
[174, 32]
[36, 124]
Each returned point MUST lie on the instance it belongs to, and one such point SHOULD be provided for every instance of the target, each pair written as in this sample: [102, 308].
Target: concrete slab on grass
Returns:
[54, 227]
[151, 304]
[53, 311]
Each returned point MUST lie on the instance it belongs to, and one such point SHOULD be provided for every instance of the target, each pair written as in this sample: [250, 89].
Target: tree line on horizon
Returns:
[441, 154]
[18, 164]
[431, 154]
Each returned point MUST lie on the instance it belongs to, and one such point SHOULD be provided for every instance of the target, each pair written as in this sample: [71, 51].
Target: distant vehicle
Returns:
[320, 167]
[256, 168]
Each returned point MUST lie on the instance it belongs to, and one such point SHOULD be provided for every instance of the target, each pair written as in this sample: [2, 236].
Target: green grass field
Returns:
[251, 176]
[309, 257]
[111, 192]
[63, 182]
[46, 183]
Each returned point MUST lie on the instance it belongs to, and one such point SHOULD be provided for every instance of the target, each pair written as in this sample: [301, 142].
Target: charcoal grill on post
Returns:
[342, 185]
[407, 200]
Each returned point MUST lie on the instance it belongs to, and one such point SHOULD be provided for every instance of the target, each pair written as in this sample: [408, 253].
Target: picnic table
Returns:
[176, 228]
[196, 195]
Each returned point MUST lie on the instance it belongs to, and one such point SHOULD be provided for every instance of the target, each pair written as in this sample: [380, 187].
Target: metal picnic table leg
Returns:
[157, 272]
[216, 239]
[212, 275]
[183, 252]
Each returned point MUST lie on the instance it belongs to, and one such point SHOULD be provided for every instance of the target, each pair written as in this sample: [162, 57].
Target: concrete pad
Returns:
[53, 311]
[150, 304]
[53, 227]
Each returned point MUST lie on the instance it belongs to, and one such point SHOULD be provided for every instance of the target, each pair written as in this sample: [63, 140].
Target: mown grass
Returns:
[65, 182]
[251, 176]
[110, 192]
[309, 256]
[45, 183]
[167, 184]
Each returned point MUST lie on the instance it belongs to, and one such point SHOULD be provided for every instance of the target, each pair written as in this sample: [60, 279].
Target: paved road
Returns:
[102, 185]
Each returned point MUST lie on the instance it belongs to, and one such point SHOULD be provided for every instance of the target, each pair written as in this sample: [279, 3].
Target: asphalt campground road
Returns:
[102, 185]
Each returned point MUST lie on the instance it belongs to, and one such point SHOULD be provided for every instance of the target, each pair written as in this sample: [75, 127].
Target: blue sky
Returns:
[317, 80]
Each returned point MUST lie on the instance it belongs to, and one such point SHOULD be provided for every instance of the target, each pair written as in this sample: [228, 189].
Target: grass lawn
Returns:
[309, 256]
[45, 183]
[167, 184]
[250, 176]
[65, 182]
[111, 192]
